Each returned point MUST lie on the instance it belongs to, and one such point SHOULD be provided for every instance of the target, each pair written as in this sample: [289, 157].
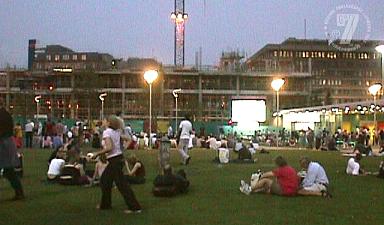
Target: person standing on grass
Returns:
[183, 136]
[281, 181]
[113, 172]
[8, 153]
[316, 181]
[29, 133]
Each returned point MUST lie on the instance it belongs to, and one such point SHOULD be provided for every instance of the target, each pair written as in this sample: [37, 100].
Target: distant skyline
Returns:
[142, 28]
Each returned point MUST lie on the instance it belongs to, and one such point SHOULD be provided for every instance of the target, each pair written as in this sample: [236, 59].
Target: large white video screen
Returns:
[244, 110]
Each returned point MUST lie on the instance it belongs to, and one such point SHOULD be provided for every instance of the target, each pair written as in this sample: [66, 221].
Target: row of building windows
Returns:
[330, 55]
[66, 57]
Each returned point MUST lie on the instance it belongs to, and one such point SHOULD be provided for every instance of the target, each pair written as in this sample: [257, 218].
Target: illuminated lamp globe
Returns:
[150, 76]
[277, 84]
[374, 89]
[173, 16]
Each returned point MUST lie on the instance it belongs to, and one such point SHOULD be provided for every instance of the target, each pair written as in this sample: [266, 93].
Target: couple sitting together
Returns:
[284, 180]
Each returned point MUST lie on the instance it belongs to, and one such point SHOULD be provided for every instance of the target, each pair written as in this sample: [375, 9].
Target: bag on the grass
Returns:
[70, 175]
[223, 155]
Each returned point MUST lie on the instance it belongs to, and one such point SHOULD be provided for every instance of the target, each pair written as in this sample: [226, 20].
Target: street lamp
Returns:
[176, 95]
[276, 85]
[150, 76]
[373, 90]
[37, 100]
[102, 98]
[380, 49]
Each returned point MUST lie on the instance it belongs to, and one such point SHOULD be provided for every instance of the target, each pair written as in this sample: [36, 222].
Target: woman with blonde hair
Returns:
[136, 170]
[113, 173]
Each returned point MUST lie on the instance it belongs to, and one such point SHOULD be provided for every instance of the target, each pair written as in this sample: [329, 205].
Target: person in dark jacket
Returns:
[8, 153]
[170, 184]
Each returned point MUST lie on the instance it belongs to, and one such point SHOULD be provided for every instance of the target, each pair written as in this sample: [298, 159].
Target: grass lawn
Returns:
[214, 196]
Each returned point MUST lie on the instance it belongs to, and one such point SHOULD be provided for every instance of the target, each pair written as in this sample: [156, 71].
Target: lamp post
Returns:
[380, 49]
[102, 98]
[37, 100]
[150, 76]
[176, 95]
[373, 90]
[276, 85]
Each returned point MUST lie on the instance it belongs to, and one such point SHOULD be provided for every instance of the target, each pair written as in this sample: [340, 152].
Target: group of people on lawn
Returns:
[284, 180]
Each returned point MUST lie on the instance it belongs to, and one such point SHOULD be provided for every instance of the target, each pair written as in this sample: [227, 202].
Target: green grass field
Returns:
[214, 197]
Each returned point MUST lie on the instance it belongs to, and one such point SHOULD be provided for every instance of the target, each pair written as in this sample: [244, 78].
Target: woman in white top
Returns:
[113, 172]
[55, 166]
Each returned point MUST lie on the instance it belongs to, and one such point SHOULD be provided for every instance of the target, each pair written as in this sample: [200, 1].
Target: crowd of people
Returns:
[68, 163]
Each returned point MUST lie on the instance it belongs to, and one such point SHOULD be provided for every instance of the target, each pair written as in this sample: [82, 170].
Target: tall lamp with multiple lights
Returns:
[150, 76]
[373, 90]
[175, 94]
[102, 99]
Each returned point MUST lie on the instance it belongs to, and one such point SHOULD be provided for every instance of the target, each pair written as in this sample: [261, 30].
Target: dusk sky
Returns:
[142, 28]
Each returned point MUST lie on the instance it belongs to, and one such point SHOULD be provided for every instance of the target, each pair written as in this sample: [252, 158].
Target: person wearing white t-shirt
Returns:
[315, 182]
[184, 134]
[29, 133]
[353, 166]
[55, 166]
[113, 173]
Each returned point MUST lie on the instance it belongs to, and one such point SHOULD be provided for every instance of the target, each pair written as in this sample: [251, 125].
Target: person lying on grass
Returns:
[281, 181]
[316, 181]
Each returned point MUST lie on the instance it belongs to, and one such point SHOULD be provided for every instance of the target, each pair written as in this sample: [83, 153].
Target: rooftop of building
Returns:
[296, 44]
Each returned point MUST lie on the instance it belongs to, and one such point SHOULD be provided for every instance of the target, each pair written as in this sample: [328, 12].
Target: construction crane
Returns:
[179, 17]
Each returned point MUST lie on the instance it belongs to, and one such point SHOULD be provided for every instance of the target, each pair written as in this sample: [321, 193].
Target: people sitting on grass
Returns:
[136, 170]
[170, 184]
[55, 166]
[281, 181]
[100, 166]
[316, 182]
[353, 166]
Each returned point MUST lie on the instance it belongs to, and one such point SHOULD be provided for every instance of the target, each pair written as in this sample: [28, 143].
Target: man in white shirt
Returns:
[184, 134]
[316, 181]
[29, 133]
[353, 167]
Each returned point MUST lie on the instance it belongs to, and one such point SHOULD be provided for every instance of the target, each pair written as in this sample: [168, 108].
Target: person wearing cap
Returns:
[316, 182]
[8, 153]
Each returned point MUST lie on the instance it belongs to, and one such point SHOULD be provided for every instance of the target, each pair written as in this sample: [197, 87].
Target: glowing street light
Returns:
[373, 90]
[150, 76]
[175, 94]
[102, 98]
[276, 84]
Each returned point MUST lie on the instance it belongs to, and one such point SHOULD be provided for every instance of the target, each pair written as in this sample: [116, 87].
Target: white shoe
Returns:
[245, 188]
